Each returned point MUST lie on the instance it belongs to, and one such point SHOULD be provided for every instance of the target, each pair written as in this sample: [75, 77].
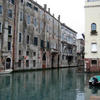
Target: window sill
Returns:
[93, 51]
[94, 32]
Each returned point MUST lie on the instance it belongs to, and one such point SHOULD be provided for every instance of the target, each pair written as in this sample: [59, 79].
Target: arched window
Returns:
[93, 28]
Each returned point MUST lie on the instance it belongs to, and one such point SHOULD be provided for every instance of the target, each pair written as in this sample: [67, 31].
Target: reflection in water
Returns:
[63, 84]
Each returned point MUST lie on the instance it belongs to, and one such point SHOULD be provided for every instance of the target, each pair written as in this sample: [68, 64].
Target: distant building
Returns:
[68, 47]
[92, 35]
[30, 37]
[80, 51]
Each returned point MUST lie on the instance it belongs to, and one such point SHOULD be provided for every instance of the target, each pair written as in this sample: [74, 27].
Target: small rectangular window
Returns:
[19, 52]
[35, 8]
[12, 1]
[9, 30]
[21, 16]
[34, 63]
[0, 9]
[42, 43]
[21, 1]
[19, 63]
[94, 47]
[9, 45]
[27, 53]
[28, 19]
[29, 5]
[34, 53]
[20, 37]
[27, 63]
[27, 39]
[35, 41]
[48, 45]
[9, 13]
[94, 62]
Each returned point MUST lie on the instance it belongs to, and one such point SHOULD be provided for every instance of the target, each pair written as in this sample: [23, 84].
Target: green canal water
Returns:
[63, 84]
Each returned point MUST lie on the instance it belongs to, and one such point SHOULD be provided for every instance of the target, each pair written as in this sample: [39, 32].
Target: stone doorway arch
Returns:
[8, 63]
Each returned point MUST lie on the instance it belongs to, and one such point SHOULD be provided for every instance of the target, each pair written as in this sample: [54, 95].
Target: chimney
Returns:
[45, 6]
[53, 15]
[59, 17]
[49, 10]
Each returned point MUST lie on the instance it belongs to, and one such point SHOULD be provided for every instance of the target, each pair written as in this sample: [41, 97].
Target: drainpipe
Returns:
[14, 41]
[58, 40]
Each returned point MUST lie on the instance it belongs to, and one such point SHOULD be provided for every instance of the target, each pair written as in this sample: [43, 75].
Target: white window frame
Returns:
[94, 47]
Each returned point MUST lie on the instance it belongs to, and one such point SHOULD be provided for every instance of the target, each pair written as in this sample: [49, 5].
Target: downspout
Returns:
[13, 45]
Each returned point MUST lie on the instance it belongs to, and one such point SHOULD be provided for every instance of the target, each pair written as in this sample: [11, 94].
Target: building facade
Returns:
[92, 34]
[68, 47]
[30, 37]
[80, 52]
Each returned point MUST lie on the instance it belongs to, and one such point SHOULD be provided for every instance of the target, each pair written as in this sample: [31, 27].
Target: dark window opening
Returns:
[29, 4]
[27, 53]
[21, 1]
[20, 37]
[19, 63]
[27, 63]
[42, 43]
[9, 30]
[0, 9]
[48, 45]
[94, 62]
[35, 8]
[9, 45]
[19, 52]
[35, 41]
[34, 53]
[28, 39]
[34, 63]
[12, 1]
[10, 13]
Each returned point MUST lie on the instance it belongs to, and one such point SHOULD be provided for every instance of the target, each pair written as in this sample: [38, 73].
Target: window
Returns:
[93, 28]
[27, 39]
[94, 47]
[21, 1]
[27, 63]
[10, 13]
[48, 45]
[9, 45]
[0, 9]
[34, 53]
[62, 57]
[35, 41]
[42, 43]
[35, 22]
[35, 8]
[21, 16]
[27, 53]
[28, 19]
[9, 30]
[34, 63]
[12, 1]
[19, 63]
[29, 5]
[19, 52]
[94, 62]
[0, 27]
[20, 37]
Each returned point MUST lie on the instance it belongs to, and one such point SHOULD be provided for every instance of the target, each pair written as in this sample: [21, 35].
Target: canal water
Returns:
[63, 84]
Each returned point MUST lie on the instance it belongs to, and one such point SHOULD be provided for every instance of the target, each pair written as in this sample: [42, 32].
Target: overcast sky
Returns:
[71, 11]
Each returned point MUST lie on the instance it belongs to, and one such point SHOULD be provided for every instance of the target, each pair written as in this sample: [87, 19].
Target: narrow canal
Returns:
[63, 84]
